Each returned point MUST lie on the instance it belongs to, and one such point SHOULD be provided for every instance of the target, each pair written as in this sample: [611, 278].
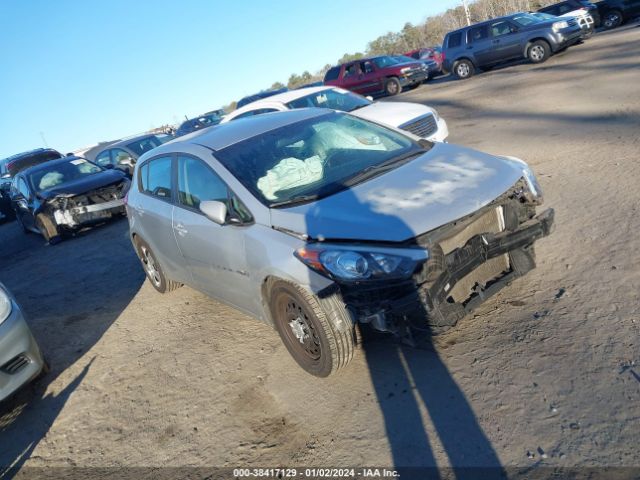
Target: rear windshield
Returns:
[455, 40]
[14, 167]
[332, 74]
[62, 172]
[335, 99]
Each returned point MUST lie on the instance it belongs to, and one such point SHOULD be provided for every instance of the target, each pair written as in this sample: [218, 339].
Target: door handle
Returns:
[180, 229]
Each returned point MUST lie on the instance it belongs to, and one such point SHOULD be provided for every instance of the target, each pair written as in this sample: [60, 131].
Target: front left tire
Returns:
[48, 229]
[319, 333]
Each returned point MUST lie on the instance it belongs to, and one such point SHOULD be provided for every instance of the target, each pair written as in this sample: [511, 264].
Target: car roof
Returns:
[492, 20]
[41, 166]
[224, 135]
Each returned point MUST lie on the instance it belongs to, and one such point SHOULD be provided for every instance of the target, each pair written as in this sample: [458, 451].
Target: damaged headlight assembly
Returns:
[355, 264]
[530, 178]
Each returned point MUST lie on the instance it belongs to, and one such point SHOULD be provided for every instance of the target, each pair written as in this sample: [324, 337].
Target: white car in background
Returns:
[415, 118]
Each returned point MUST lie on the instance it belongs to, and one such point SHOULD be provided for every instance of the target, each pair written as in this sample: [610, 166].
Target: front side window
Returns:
[335, 99]
[500, 28]
[315, 158]
[158, 177]
[120, 156]
[104, 158]
[197, 183]
[23, 188]
[59, 173]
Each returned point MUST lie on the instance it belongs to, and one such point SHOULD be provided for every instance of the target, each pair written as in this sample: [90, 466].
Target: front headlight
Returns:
[560, 25]
[405, 69]
[358, 264]
[530, 178]
[5, 305]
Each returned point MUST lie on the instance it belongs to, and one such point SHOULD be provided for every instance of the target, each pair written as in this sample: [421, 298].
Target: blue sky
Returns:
[79, 72]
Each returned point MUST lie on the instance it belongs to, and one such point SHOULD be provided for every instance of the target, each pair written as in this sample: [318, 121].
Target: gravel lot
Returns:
[545, 373]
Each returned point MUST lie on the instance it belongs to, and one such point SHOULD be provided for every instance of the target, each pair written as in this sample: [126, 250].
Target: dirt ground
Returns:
[544, 373]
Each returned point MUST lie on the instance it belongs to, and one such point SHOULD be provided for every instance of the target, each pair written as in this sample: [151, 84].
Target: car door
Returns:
[505, 40]
[214, 254]
[22, 201]
[153, 210]
[479, 42]
[370, 80]
[632, 7]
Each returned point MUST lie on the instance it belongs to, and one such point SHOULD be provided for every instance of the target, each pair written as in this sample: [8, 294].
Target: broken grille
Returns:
[422, 127]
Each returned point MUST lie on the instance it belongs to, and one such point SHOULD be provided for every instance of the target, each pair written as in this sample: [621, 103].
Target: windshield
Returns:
[143, 145]
[62, 172]
[544, 16]
[314, 158]
[384, 62]
[404, 59]
[336, 99]
[525, 19]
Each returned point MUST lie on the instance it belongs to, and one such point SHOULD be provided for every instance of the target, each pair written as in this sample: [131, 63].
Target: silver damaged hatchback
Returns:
[317, 222]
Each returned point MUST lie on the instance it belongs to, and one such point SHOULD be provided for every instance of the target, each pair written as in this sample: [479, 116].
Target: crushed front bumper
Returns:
[85, 215]
[427, 301]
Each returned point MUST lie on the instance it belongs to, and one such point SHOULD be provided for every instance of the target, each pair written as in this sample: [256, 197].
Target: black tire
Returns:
[319, 333]
[152, 268]
[463, 69]
[392, 87]
[588, 33]
[48, 229]
[539, 51]
[612, 19]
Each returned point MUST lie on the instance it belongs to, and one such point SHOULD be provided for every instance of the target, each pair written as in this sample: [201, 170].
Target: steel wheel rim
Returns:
[611, 20]
[299, 329]
[150, 266]
[463, 70]
[393, 88]
[537, 52]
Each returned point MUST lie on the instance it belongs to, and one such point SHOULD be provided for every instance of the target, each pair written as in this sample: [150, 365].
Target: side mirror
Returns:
[214, 211]
[127, 161]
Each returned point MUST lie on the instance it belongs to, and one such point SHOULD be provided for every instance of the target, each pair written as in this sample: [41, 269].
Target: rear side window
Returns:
[478, 33]
[455, 40]
[332, 74]
[156, 177]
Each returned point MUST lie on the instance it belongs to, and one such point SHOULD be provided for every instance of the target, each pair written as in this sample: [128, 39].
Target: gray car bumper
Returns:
[20, 357]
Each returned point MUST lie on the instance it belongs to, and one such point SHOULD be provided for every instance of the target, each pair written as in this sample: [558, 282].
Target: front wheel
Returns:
[392, 87]
[319, 333]
[588, 33]
[539, 51]
[48, 229]
[463, 69]
[612, 19]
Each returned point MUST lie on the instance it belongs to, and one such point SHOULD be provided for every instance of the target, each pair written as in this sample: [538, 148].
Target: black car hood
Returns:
[84, 185]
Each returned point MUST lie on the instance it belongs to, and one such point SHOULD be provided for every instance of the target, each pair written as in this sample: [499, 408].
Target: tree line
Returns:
[431, 32]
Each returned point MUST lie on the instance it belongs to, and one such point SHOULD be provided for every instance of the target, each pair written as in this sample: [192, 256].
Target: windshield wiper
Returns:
[375, 170]
[294, 200]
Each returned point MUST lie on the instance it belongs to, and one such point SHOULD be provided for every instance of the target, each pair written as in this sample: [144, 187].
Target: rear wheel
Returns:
[319, 333]
[612, 19]
[392, 87]
[463, 69]
[48, 229]
[153, 269]
[539, 51]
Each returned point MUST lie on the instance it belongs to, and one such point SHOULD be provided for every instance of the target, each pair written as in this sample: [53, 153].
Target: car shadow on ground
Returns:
[410, 382]
[70, 296]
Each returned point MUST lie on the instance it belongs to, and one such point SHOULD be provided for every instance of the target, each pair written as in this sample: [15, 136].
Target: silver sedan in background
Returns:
[20, 357]
[317, 221]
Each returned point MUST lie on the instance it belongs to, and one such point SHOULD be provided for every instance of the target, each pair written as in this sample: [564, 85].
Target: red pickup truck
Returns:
[377, 75]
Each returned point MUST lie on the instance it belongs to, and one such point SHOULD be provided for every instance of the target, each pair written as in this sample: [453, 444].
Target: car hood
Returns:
[440, 186]
[392, 113]
[84, 185]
